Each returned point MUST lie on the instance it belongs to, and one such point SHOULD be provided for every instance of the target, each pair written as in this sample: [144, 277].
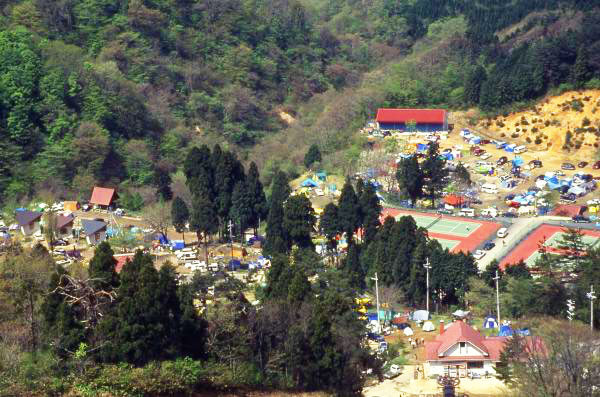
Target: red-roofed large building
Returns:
[426, 120]
[461, 348]
[103, 196]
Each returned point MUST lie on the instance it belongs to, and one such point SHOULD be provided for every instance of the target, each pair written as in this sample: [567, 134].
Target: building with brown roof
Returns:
[103, 197]
[459, 349]
[64, 225]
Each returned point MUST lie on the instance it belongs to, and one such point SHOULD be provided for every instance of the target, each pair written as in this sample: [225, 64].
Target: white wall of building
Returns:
[463, 349]
[30, 228]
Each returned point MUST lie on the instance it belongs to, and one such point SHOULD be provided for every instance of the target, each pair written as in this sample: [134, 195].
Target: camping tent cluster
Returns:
[469, 137]
[579, 185]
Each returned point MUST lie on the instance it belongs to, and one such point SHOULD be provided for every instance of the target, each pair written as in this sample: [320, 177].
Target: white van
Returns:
[467, 212]
[520, 149]
[214, 267]
[502, 232]
[489, 188]
[187, 256]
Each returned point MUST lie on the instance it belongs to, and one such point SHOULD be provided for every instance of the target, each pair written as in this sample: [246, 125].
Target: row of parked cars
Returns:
[581, 164]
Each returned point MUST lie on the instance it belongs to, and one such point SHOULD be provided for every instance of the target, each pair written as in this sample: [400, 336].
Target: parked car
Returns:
[582, 164]
[394, 371]
[60, 243]
[536, 164]
[489, 245]
[510, 215]
[580, 219]
[444, 211]
[569, 197]
[567, 166]
[478, 254]
[596, 165]
[485, 142]
[502, 160]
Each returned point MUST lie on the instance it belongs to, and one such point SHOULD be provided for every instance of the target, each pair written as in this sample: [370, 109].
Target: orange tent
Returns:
[454, 200]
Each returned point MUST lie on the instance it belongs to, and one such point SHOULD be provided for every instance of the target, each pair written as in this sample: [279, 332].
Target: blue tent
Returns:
[309, 182]
[490, 322]
[20, 209]
[500, 145]
[322, 175]
[448, 156]
[523, 332]
[517, 161]
[506, 330]
[177, 245]
[475, 140]
[421, 147]
[510, 148]
[161, 238]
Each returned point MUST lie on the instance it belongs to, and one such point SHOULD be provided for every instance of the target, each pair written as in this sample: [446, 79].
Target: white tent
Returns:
[408, 331]
[420, 315]
[428, 326]
[460, 313]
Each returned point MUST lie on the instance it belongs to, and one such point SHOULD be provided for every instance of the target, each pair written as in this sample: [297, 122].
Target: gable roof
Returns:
[62, 221]
[102, 195]
[122, 259]
[24, 218]
[436, 116]
[459, 331]
[91, 226]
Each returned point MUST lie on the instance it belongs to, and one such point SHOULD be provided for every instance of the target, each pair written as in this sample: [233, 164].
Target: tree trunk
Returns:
[206, 249]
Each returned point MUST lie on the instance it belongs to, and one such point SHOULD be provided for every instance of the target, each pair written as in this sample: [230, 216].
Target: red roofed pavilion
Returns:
[103, 196]
[426, 120]
[461, 348]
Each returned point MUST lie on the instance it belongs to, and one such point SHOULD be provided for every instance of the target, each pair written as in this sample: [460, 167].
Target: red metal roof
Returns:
[434, 116]
[102, 196]
[122, 259]
[457, 332]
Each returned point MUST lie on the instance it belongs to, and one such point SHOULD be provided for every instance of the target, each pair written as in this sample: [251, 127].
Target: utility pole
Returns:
[427, 266]
[377, 300]
[497, 278]
[230, 228]
[570, 314]
[590, 295]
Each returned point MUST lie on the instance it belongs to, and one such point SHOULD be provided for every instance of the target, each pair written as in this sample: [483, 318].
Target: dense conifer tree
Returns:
[348, 210]
[162, 182]
[299, 220]
[102, 268]
[370, 211]
[241, 206]
[410, 178]
[313, 155]
[180, 215]
[257, 195]
[277, 239]
[435, 172]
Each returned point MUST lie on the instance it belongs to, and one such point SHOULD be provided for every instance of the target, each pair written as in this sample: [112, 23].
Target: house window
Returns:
[475, 364]
[462, 347]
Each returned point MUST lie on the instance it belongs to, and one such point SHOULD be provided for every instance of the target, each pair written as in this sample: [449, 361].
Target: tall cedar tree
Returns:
[228, 172]
[473, 82]
[162, 182]
[370, 211]
[435, 172]
[241, 206]
[410, 178]
[145, 322]
[353, 268]
[102, 268]
[257, 194]
[313, 155]
[277, 240]
[180, 215]
[299, 220]
[462, 175]
[580, 72]
[279, 278]
[62, 329]
[202, 220]
[348, 210]
[330, 225]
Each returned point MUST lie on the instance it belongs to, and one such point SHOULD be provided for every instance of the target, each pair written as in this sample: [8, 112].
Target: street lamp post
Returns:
[590, 295]
[427, 266]
[377, 300]
[230, 228]
[497, 278]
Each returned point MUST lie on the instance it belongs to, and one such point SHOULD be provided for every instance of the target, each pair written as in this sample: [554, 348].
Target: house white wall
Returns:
[439, 368]
[466, 350]
[66, 231]
[30, 228]
[96, 238]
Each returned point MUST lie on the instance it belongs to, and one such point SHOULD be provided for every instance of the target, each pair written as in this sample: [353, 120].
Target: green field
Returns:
[449, 244]
[446, 226]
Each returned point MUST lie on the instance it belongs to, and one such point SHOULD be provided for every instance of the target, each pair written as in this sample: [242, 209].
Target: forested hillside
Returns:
[115, 92]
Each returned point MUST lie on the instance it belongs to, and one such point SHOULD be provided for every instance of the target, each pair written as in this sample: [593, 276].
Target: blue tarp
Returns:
[177, 244]
[506, 330]
[309, 182]
[517, 161]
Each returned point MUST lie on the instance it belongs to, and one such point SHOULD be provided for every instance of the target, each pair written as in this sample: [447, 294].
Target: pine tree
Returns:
[435, 172]
[370, 211]
[203, 220]
[330, 225]
[410, 178]
[144, 325]
[102, 268]
[313, 155]
[277, 239]
[241, 206]
[348, 210]
[299, 220]
[257, 193]
[179, 215]
[162, 181]
[580, 73]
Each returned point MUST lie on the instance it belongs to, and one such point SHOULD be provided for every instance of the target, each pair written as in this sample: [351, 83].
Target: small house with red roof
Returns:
[459, 349]
[425, 120]
[103, 197]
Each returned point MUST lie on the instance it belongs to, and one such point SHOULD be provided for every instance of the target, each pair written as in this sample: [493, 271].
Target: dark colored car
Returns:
[509, 197]
[443, 211]
[488, 246]
[567, 166]
[536, 163]
[60, 243]
[485, 142]
[596, 165]
[510, 215]
[580, 219]
[476, 201]
[502, 160]
[582, 164]
[568, 197]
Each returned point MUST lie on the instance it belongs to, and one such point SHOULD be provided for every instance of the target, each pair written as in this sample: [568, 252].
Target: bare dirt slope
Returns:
[567, 125]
